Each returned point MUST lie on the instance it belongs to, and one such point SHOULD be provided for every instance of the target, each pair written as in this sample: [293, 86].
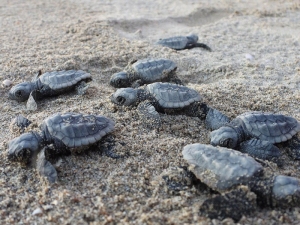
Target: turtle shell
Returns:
[221, 168]
[151, 70]
[172, 95]
[78, 130]
[62, 79]
[177, 42]
[274, 128]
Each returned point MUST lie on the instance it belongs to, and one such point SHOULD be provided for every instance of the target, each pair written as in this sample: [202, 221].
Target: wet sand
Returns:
[254, 66]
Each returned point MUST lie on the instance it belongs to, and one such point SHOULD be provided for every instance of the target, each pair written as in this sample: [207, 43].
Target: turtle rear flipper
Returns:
[45, 168]
[262, 150]
[149, 116]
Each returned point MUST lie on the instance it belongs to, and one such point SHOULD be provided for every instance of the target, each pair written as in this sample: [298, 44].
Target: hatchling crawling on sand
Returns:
[167, 98]
[224, 170]
[145, 71]
[256, 133]
[51, 84]
[69, 132]
[182, 42]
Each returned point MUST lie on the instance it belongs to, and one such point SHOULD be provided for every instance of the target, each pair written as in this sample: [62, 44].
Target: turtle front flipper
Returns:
[81, 88]
[137, 83]
[201, 45]
[33, 97]
[233, 204]
[31, 104]
[36, 76]
[215, 119]
[293, 147]
[174, 79]
[262, 150]
[19, 124]
[45, 168]
[107, 145]
[148, 114]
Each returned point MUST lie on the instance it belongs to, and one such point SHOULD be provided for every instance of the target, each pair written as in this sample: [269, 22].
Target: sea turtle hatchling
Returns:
[69, 132]
[167, 98]
[145, 71]
[51, 84]
[182, 42]
[255, 133]
[224, 170]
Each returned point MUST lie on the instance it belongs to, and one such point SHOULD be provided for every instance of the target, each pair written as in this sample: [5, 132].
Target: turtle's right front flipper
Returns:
[148, 114]
[107, 145]
[45, 168]
[262, 150]
[215, 119]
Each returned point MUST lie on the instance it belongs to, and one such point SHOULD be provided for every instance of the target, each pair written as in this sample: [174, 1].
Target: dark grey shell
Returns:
[274, 128]
[151, 70]
[221, 168]
[62, 79]
[177, 42]
[78, 130]
[173, 95]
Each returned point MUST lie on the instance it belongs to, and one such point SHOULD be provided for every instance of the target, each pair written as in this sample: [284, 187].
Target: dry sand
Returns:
[254, 65]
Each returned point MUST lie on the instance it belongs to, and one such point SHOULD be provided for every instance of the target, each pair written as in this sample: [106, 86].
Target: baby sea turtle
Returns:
[145, 71]
[182, 42]
[167, 98]
[224, 169]
[51, 84]
[69, 132]
[255, 133]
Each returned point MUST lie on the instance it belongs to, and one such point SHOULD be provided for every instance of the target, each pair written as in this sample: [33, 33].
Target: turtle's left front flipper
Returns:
[19, 124]
[148, 114]
[293, 147]
[45, 168]
[31, 104]
[262, 150]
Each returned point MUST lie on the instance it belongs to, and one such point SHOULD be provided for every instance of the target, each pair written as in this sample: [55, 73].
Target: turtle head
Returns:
[225, 137]
[21, 91]
[24, 148]
[125, 96]
[193, 37]
[119, 80]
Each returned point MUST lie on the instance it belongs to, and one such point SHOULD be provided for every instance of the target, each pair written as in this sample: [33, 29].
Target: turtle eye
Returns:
[224, 143]
[120, 100]
[19, 93]
[23, 153]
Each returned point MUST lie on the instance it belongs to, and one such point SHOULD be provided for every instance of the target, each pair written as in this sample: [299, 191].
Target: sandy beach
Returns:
[254, 66]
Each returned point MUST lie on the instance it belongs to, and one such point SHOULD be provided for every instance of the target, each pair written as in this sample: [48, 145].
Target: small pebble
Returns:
[249, 56]
[37, 211]
[7, 83]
